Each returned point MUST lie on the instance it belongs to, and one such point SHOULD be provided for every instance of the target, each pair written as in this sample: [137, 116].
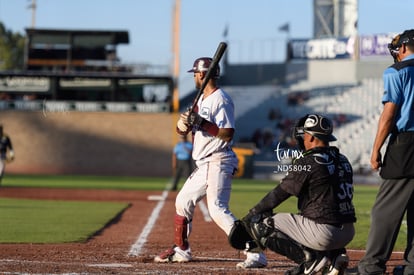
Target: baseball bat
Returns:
[211, 70]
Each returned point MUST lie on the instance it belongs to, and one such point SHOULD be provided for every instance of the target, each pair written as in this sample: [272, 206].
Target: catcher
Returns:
[6, 151]
[322, 180]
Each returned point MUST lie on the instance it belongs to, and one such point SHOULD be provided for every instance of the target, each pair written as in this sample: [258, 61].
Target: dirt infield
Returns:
[109, 251]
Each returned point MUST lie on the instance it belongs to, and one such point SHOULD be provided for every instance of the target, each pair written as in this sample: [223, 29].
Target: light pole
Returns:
[32, 6]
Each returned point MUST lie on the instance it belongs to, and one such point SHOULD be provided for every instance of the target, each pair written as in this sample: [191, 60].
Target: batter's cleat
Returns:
[338, 265]
[253, 260]
[250, 264]
[174, 255]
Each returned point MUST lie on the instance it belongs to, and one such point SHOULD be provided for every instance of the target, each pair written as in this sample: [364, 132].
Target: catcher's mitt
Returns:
[239, 236]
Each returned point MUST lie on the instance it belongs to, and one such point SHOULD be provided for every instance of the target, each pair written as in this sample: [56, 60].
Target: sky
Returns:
[252, 26]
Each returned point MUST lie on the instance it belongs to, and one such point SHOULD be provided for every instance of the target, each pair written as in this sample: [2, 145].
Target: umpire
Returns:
[395, 196]
[182, 162]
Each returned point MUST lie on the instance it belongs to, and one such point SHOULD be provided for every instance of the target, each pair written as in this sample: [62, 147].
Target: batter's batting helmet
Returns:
[315, 125]
[202, 64]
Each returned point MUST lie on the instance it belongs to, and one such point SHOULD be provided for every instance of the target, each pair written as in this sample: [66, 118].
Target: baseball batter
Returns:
[212, 123]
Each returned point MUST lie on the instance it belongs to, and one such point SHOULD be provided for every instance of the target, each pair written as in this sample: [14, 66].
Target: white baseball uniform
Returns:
[216, 163]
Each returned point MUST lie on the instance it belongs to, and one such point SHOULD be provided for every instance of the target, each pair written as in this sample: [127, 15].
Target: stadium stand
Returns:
[269, 112]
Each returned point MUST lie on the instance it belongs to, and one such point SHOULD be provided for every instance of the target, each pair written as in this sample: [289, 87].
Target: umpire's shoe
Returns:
[174, 255]
[354, 271]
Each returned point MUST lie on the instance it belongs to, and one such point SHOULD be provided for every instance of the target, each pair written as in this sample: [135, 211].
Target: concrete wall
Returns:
[314, 72]
[101, 143]
[330, 72]
[253, 74]
[372, 69]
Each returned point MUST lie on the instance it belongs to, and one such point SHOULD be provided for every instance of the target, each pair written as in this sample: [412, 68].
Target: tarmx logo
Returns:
[284, 154]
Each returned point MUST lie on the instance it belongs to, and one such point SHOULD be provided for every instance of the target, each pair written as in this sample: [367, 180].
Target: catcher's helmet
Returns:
[202, 64]
[407, 37]
[315, 125]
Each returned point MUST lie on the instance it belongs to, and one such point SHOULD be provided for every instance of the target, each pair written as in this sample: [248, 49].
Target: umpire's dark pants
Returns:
[184, 168]
[394, 199]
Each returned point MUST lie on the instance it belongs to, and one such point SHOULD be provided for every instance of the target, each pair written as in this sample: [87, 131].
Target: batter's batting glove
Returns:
[182, 125]
[195, 120]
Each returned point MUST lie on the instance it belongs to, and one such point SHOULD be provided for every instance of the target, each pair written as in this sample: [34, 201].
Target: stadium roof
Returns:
[77, 38]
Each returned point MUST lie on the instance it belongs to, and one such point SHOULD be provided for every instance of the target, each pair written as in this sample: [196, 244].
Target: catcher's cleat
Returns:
[309, 267]
[174, 255]
[338, 265]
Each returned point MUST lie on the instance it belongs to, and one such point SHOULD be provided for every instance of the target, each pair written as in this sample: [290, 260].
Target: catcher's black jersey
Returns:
[4, 144]
[323, 185]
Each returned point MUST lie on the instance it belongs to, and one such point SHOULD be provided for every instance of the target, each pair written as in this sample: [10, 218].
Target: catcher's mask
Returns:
[315, 125]
[407, 37]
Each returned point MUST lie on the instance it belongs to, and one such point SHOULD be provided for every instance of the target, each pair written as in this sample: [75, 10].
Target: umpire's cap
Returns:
[316, 125]
[407, 37]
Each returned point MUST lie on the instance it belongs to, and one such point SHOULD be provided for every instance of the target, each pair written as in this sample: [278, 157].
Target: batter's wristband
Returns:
[210, 128]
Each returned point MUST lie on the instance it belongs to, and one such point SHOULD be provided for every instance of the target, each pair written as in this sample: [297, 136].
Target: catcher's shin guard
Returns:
[267, 236]
[284, 245]
[181, 232]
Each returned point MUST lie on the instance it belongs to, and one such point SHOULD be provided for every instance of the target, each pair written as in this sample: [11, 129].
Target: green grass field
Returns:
[49, 221]
[23, 221]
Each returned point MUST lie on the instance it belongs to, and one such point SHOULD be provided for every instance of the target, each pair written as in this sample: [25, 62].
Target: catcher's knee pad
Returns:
[284, 245]
[262, 230]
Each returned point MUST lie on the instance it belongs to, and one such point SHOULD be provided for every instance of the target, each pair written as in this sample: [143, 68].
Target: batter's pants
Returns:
[211, 179]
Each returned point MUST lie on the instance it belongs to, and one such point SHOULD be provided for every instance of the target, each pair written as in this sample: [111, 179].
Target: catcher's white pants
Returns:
[211, 179]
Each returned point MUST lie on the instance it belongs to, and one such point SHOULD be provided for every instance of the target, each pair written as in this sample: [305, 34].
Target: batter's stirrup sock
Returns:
[181, 232]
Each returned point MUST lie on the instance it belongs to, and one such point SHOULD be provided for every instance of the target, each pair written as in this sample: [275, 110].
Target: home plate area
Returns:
[145, 227]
